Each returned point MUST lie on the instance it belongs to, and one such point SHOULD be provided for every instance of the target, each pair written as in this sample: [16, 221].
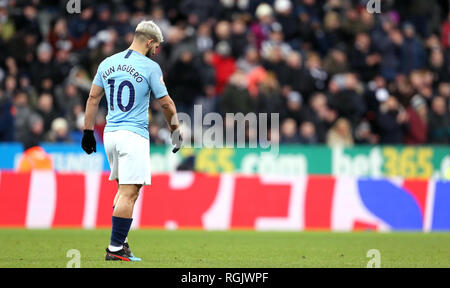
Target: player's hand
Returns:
[177, 140]
[88, 142]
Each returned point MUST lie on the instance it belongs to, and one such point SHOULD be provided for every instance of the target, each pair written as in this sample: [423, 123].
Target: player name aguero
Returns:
[124, 68]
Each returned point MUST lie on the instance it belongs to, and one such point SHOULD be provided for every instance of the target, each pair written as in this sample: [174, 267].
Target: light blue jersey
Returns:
[128, 77]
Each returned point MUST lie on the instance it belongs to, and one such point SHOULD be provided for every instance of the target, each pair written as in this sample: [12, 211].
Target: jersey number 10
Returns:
[119, 95]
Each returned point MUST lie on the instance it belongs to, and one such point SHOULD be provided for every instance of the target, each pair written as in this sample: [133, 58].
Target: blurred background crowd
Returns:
[336, 74]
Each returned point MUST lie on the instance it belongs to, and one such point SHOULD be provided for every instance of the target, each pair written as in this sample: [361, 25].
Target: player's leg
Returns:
[127, 195]
[117, 195]
[113, 160]
[140, 169]
[126, 246]
[110, 140]
[123, 208]
[132, 151]
[126, 198]
[121, 223]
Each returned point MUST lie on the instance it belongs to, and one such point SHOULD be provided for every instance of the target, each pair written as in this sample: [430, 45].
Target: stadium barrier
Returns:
[416, 162]
[228, 201]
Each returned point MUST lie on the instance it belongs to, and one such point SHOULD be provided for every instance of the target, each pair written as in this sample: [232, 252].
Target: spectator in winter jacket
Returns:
[260, 28]
[387, 42]
[47, 111]
[185, 82]
[289, 132]
[224, 65]
[235, 97]
[439, 122]
[269, 96]
[392, 122]
[417, 119]
[44, 67]
[6, 119]
[298, 77]
[308, 133]
[412, 51]
[445, 37]
[340, 134]
[364, 61]
[345, 98]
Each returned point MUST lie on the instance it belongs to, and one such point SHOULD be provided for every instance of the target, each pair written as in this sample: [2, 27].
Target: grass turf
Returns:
[230, 249]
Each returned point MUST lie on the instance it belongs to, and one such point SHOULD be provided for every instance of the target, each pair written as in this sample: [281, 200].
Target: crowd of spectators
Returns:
[336, 73]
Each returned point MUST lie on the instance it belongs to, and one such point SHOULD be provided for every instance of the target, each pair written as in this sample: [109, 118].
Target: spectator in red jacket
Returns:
[445, 36]
[418, 127]
[224, 65]
[260, 28]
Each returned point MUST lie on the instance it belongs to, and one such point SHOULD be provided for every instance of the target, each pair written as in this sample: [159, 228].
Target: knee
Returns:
[133, 196]
[136, 192]
[130, 195]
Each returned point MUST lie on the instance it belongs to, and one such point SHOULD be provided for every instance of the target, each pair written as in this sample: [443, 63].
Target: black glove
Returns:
[88, 142]
[177, 140]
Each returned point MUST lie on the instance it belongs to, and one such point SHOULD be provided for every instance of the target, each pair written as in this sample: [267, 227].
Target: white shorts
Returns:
[128, 156]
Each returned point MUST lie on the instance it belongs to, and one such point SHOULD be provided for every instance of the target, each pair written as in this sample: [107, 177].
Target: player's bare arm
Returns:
[88, 142]
[95, 95]
[170, 113]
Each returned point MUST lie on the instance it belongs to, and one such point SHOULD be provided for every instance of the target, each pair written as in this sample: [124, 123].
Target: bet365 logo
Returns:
[374, 6]
[73, 6]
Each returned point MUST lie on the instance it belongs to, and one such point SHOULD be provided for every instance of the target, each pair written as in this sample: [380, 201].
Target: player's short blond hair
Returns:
[149, 29]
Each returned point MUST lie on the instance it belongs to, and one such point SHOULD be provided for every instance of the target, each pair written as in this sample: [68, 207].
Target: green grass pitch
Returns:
[228, 249]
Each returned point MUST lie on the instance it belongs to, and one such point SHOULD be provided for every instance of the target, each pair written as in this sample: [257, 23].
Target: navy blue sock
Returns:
[120, 228]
